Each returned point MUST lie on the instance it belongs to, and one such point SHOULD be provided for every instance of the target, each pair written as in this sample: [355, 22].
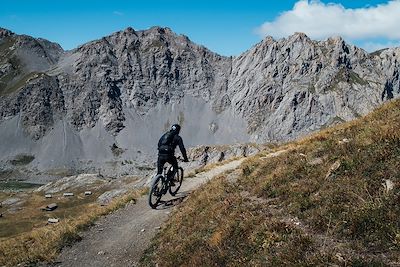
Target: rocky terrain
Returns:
[104, 104]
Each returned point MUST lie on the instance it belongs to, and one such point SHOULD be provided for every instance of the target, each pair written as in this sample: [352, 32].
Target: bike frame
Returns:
[162, 184]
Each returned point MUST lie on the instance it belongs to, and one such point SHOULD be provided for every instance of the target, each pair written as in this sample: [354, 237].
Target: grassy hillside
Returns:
[331, 199]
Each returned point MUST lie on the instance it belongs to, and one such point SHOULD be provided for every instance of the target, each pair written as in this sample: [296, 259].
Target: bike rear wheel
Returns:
[156, 191]
[177, 182]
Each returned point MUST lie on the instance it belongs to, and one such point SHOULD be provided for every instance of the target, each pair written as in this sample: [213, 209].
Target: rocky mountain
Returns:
[110, 99]
[292, 86]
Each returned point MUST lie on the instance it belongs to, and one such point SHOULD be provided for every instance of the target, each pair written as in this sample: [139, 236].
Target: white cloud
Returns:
[319, 20]
[118, 13]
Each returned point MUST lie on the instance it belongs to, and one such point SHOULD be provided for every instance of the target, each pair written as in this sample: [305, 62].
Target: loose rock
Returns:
[388, 185]
[51, 207]
[332, 169]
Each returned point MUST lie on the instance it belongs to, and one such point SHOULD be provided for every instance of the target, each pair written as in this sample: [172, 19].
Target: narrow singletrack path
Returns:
[120, 238]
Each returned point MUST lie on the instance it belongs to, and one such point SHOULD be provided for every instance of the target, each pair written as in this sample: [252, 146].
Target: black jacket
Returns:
[176, 141]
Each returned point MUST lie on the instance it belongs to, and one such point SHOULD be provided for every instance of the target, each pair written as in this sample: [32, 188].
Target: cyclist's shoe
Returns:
[172, 181]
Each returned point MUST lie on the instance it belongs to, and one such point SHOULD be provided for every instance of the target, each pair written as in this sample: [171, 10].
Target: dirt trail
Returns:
[119, 239]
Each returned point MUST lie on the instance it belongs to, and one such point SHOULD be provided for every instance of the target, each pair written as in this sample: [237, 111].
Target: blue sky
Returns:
[225, 27]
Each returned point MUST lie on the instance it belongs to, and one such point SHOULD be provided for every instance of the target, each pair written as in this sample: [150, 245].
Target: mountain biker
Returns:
[166, 148]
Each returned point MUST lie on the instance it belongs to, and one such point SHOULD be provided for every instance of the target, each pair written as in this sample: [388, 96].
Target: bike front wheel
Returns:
[156, 191]
[177, 182]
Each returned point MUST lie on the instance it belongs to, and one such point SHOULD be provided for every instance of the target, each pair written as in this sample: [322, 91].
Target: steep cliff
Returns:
[70, 108]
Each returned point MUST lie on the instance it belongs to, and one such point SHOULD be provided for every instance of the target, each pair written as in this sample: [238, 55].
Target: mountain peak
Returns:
[336, 40]
[161, 30]
[129, 30]
[268, 39]
[299, 36]
[5, 33]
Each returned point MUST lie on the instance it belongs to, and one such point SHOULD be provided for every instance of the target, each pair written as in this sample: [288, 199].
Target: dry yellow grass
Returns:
[264, 148]
[323, 202]
[31, 216]
[43, 243]
[209, 167]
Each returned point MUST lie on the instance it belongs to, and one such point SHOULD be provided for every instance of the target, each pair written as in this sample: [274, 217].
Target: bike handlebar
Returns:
[181, 159]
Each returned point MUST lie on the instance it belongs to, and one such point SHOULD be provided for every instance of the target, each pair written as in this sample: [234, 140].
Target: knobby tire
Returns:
[178, 182]
[155, 193]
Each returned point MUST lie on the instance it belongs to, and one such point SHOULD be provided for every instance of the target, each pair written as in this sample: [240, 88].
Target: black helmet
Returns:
[176, 128]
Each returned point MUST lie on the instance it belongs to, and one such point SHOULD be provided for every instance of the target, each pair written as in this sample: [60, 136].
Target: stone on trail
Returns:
[68, 194]
[53, 220]
[51, 207]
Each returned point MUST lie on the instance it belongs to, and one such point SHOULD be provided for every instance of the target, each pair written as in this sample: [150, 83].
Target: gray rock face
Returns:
[136, 70]
[289, 87]
[127, 88]
[39, 104]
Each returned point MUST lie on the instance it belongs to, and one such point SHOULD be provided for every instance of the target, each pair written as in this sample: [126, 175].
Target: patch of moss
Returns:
[311, 88]
[16, 185]
[346, 76]
[378, 52]
[5, 46]
[9, 84]
[22, 159]
[355, 78]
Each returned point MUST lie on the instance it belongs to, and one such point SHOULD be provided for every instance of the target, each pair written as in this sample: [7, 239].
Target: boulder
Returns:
[51, 207]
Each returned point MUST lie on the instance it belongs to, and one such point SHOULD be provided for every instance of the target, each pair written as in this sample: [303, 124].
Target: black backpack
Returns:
[165, 144]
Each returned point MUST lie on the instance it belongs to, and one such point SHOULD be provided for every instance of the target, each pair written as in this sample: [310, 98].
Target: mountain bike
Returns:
[170, 181]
